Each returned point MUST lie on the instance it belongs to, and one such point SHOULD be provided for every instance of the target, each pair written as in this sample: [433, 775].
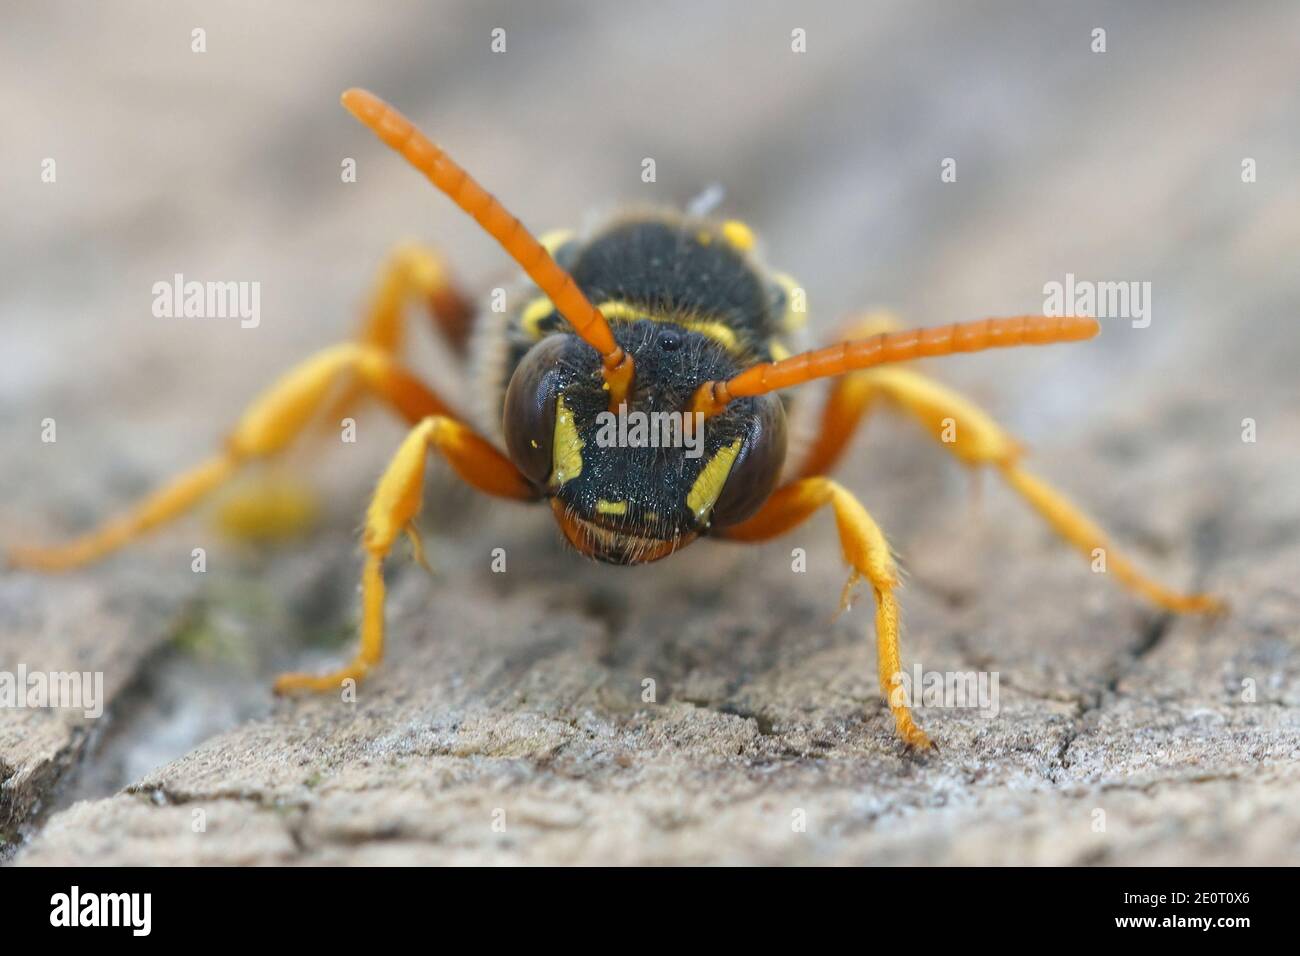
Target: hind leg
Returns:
[976, 439]
[268, 425]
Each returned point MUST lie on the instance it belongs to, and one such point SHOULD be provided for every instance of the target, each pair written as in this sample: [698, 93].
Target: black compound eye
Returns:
[669, 340]
[754, 474]
[530, 408]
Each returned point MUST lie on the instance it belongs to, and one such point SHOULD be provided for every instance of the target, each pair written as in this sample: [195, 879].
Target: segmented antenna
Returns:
[712, 397]
[462, 189]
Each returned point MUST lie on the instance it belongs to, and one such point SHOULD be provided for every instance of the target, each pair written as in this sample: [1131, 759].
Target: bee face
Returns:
[635, 484]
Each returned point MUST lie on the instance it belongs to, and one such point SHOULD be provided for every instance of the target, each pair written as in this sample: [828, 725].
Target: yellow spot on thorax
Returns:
[536, 310]
[704, 492]
[611, 507]
[738, 235]
[566, 453]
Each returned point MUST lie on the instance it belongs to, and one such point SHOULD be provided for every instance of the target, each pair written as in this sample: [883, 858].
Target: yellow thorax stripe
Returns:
[534, 312]
[720, 332]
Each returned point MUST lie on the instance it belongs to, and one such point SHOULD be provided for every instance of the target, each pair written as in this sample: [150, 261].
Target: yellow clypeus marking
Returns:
[738, 235]
[709, 484]
[720, 332]
[566, 454]
[611, 507]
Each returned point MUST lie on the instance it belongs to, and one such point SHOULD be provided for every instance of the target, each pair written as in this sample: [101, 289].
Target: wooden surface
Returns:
[518, 697]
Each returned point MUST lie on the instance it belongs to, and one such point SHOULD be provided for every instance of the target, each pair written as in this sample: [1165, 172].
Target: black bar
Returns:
[330, 906]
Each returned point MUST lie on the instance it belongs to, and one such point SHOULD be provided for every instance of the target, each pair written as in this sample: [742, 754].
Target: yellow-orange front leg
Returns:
[976, 439]
[867, 553]
[268, 425]
[394, 506]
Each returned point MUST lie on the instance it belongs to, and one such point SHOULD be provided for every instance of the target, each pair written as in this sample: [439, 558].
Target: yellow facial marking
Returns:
[708, 486]
[720, 332]
[738, 235]
[779, 351]
[533, 314]
[611, 507]
[566, 454]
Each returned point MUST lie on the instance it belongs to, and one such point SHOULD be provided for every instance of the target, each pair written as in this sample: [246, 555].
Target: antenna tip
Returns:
[361, 103]
[1086, 328]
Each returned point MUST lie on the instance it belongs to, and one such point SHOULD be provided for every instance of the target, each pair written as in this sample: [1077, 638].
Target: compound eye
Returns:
[758, 466]
[530, 408]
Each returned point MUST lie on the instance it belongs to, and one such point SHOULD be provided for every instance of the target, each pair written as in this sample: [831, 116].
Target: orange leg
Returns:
[412, 273]
[392, 509]
[415, 272]
[867, 552]
[268, 425]
[976, 439]
[850, 400]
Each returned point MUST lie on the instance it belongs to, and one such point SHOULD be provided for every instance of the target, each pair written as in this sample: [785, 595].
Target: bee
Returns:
[666, 316]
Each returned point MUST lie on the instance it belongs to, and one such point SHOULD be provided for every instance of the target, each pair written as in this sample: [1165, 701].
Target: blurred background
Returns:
[225, 165]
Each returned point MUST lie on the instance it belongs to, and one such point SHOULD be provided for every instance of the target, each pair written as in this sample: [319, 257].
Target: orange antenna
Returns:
[462, 189]
[712, 397]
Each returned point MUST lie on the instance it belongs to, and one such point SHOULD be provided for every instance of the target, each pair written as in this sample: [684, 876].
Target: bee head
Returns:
[633, 484]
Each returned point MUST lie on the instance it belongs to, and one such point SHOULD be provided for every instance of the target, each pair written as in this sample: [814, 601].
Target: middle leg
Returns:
[970, 434]
[415, 272]
[411, 273]
[269, 424]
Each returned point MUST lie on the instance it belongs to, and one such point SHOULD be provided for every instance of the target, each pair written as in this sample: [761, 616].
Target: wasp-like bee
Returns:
[670, 318]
